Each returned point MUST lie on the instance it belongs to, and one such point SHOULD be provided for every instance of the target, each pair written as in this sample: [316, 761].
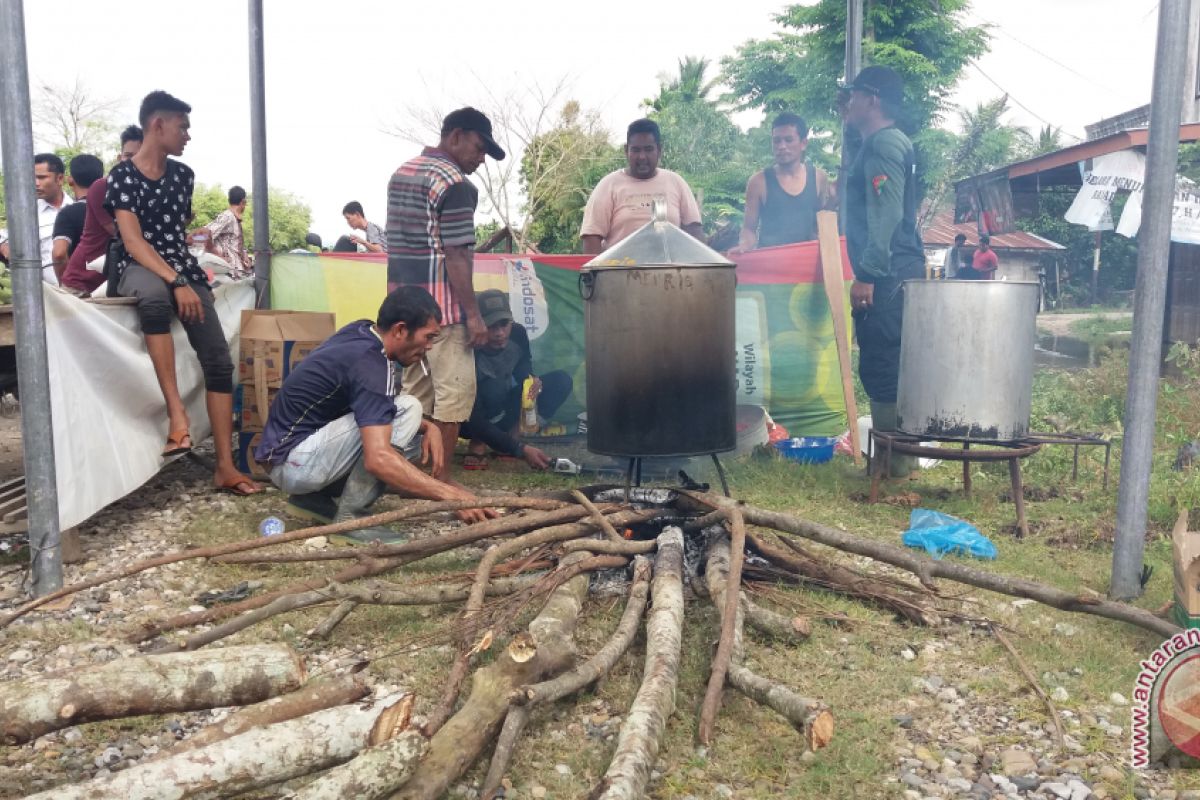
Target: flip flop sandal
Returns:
[235, 486]
[178, 443]
[475, 462]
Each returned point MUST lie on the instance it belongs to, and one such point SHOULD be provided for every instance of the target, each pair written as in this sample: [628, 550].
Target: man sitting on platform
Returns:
[501, 367]
[340, 426]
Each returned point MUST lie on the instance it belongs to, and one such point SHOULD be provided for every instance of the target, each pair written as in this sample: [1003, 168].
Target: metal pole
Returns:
[258, 151]
[16, 141]
[854, 39]
[1154, 245]
[1096, 270]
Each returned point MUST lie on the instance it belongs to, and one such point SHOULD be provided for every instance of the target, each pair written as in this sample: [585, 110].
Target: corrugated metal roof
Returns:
[941, 232]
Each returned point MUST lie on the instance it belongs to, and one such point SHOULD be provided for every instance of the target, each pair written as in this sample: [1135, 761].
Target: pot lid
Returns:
[659, 243]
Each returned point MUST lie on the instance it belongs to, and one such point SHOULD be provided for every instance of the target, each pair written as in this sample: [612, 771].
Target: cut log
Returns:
[641, 732]
[320, 693]
[131, 687]
[570, 682]
[926, 568]
[547, 649]
[376, 772]
[251, 760]
[810, 717]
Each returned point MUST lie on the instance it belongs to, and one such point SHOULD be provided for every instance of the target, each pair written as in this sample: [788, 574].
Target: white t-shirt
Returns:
[46, 216]
[620, 204]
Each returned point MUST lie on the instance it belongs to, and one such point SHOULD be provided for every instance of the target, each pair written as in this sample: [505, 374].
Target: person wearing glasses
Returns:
[881, 237]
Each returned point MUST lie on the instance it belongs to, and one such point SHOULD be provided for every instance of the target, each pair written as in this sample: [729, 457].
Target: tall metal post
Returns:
[258, 151]
[854, 37]
[854, 40]
[1150, 291]
[16, 141]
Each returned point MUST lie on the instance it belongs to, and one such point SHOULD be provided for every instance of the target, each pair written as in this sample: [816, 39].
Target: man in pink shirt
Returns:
[621, 201]
[984, 261]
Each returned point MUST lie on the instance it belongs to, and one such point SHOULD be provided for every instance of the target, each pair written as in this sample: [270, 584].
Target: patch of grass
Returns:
[1101, 327]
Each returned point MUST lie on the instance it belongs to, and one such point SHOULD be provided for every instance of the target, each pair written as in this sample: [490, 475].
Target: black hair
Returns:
[54, 162]
[131, 134]
[960, 238]
[644, 126]
[86, 169]
[353, 207]
[795, 120]
[985, 239]
[312, 238]
[159, 102]
[236, 195]
[411, 305]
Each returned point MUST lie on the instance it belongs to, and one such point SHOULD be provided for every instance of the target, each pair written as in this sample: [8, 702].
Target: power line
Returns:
[1029, 110]
[1048, 57]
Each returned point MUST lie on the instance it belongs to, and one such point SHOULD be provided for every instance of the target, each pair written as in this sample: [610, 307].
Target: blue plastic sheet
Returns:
[939, 534]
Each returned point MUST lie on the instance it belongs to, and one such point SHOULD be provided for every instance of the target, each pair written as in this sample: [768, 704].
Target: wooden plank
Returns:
[17, 514]
[835, 292]
[8, 335]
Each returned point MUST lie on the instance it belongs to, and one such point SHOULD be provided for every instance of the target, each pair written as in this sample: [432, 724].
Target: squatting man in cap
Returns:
[431, 243]
[501, 367]
[339, 428]
[881, 238]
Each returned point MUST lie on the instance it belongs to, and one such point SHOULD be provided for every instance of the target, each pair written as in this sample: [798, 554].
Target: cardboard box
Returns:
[274, 342]
[252, 415]
[1187, 573]
[244, 458]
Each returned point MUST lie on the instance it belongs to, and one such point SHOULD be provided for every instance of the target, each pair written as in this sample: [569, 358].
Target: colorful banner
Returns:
[786, 355]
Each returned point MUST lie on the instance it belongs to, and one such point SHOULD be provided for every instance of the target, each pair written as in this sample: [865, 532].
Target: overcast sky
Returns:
[339, 73]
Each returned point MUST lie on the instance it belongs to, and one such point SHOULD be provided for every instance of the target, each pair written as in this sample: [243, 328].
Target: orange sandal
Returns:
[178, 443]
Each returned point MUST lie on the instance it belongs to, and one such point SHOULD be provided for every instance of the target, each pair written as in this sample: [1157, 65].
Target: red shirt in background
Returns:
[92, 244]
[984, 263]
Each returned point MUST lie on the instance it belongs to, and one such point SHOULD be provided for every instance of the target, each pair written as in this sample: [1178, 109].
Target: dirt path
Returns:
[1060, 324]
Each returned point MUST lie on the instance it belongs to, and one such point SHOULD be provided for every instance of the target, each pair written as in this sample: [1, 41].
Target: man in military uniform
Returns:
[881, 237]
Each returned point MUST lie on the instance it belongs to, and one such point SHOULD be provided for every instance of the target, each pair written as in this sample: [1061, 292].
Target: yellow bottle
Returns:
[529, 418]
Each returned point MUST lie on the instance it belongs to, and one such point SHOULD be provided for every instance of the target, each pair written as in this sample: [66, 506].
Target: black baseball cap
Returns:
[493, 307]
[883, 82]
[472, 119]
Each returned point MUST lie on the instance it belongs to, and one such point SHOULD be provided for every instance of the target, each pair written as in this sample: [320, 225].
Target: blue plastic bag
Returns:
[939, 533]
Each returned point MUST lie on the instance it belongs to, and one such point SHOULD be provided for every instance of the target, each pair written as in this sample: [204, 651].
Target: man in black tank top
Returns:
[782, 200]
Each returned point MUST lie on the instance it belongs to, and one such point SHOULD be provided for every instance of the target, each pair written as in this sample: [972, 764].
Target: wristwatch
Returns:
[179, 282]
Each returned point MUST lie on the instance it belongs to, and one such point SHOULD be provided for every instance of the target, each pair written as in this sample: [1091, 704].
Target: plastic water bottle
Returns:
[271, 526]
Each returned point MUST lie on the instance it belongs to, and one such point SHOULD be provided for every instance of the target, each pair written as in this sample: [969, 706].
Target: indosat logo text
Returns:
[1166, 704]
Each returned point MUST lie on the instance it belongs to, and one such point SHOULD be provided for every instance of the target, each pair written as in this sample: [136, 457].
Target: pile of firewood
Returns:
[540, 557]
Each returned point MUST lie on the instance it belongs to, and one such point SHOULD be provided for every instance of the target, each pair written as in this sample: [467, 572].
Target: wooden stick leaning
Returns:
[1027, 673]
[597, 516]
[524, 698]
[835, 291]
[417, 508]
[720, 662]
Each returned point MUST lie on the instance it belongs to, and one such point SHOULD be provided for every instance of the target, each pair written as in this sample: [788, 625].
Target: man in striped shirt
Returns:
[431, 242]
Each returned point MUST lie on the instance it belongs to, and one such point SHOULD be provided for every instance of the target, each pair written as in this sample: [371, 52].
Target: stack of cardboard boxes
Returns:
[272, 344]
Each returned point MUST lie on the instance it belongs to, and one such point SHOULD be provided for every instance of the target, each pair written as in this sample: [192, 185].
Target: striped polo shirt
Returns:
[431, 206]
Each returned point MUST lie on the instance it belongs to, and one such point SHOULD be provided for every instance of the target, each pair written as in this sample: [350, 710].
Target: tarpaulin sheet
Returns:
[786, 355]
[109, 418]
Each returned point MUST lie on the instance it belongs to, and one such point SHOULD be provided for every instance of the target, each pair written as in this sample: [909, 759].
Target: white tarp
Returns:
[1125, 170]
[109, 418]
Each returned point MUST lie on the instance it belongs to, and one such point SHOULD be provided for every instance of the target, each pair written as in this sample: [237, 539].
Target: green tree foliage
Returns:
[1118, 255]
[290, 217]
[559, 168]
[702, 143]
[928, 43]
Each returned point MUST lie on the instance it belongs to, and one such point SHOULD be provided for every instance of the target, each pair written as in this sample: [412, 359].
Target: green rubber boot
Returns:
[883, 418]
[361, 491]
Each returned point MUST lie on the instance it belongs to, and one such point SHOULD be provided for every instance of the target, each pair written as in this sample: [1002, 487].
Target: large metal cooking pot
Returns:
[659, 328]
[966, 360]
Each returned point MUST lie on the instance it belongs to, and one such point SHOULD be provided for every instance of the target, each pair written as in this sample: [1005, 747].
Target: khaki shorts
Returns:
[447, 393]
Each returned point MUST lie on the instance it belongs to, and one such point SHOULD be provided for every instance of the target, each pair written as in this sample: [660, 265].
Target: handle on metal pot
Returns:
[587, 285]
